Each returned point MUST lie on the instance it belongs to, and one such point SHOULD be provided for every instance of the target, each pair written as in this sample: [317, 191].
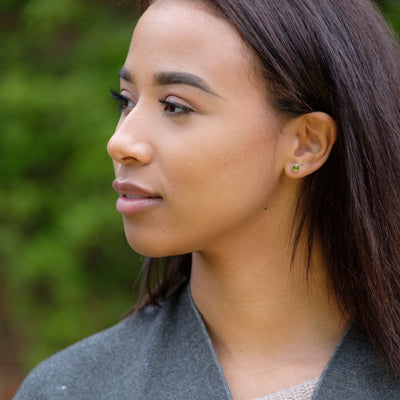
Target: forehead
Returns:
[184, 35]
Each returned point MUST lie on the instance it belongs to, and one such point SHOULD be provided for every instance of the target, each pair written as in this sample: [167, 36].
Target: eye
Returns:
[123, 100]
[173, 109]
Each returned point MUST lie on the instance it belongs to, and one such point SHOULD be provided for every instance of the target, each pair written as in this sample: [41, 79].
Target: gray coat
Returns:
[165, 353]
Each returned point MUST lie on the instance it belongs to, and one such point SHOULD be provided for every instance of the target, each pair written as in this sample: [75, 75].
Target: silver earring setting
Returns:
[296, 167]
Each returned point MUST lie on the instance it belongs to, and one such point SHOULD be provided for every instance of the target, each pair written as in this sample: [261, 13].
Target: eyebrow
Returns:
[173, 78]
[125, 75]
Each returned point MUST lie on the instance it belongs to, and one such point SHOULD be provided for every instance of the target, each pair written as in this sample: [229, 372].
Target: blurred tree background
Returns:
[65, 268]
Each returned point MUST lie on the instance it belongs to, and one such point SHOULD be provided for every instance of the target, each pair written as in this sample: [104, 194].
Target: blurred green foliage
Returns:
[65, 268]
[391, 10]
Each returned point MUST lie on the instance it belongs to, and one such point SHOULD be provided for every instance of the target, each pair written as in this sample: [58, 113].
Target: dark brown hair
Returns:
[338, 57]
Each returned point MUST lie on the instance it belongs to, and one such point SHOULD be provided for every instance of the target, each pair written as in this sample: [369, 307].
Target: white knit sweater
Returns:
[303, 391]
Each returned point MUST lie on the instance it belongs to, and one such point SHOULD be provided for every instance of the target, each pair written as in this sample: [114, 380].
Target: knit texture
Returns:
[303, 391]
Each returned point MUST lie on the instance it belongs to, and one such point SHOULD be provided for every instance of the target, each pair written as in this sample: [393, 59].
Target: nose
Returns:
[128, 144]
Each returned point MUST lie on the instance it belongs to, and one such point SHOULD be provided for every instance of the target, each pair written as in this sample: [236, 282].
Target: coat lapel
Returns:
[185, 366]
[355, 372]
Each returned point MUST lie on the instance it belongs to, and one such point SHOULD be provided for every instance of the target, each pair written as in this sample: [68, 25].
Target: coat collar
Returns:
[353, 372]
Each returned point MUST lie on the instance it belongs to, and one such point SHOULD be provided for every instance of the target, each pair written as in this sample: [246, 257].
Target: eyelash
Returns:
[124, 101]
[167, 109]
[168, 105]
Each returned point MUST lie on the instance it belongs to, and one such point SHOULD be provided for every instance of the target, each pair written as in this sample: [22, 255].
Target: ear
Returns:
[312, 137]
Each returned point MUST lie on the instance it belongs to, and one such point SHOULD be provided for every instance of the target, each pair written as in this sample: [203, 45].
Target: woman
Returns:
[256, 160]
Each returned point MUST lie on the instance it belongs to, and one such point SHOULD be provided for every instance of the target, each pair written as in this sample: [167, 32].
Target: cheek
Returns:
[224, 163]
[241, 151]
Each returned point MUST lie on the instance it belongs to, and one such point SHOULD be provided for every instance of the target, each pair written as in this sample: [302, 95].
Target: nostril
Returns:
[127, 160]
[141, 151]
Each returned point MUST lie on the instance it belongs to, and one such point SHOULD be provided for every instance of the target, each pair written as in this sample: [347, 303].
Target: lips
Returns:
[134, 198]
[128, 188]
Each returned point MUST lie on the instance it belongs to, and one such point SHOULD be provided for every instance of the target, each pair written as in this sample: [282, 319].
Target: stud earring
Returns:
[296, 167]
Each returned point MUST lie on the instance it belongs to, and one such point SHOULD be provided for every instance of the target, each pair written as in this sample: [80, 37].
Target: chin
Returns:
[153, 249]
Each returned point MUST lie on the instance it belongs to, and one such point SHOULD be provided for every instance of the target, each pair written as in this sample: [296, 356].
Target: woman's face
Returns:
[197, 151]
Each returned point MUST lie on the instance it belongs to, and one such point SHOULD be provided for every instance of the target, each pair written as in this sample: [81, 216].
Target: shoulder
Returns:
[95, 365]
[356, 372]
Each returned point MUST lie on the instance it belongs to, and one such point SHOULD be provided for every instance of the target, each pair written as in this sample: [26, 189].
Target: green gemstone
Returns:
[295, 167]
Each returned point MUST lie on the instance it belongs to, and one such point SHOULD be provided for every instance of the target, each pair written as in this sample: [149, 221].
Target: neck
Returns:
[267, 314]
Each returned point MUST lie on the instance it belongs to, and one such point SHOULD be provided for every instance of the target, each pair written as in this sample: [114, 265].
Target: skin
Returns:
[228, 195]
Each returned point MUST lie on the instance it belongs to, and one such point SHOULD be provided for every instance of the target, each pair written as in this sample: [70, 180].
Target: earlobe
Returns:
[314, 136]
